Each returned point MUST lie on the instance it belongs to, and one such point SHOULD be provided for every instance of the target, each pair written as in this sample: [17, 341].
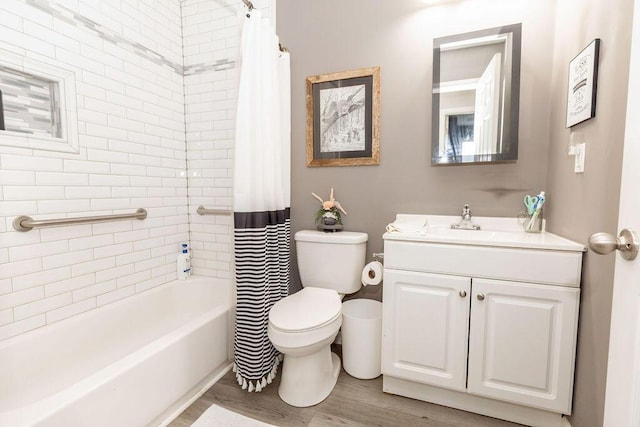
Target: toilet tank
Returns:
[331, 260]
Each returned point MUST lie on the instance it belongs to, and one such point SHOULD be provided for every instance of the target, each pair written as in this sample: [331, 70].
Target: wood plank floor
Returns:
[353, 403]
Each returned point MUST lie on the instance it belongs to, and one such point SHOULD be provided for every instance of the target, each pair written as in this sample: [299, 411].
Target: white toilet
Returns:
[302, 326]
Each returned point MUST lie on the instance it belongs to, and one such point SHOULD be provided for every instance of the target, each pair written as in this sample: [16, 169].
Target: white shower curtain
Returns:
[261, 198]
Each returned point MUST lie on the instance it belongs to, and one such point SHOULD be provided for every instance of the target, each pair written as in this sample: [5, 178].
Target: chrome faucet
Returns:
[465, 220]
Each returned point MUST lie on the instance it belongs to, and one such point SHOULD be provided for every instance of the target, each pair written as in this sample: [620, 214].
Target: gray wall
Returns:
[582, 204]
[333, 35]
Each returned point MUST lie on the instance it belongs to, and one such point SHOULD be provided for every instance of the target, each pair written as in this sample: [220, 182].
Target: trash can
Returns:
[362, 338]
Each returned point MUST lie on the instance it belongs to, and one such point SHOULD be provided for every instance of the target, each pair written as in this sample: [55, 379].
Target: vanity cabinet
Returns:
[482, 328]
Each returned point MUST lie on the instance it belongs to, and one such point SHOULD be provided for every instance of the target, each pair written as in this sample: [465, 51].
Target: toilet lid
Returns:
[307, 309]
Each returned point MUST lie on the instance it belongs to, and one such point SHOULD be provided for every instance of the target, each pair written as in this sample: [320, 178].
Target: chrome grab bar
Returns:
[26, 223]
[203, 211]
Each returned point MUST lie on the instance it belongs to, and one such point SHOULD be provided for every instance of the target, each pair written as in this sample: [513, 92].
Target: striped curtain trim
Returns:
[262, 250]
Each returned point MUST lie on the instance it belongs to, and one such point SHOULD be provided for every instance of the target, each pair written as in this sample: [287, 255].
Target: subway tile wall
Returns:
[141, 97]
[211, 34]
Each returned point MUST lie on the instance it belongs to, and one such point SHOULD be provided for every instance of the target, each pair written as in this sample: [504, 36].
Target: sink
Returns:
[500, 232]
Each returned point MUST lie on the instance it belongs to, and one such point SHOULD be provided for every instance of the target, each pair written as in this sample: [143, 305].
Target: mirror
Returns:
[476, 92]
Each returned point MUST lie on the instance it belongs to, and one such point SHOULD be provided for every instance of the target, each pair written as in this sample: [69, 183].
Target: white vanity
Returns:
[482, 320]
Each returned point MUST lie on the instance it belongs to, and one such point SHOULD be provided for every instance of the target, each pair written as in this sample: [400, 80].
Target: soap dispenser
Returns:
[183, 269]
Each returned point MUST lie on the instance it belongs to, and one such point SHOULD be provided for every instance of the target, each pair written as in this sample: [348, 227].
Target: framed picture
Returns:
[343, 118]
[583, 80]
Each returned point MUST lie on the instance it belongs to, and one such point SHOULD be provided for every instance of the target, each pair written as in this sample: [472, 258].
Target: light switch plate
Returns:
[580, 150]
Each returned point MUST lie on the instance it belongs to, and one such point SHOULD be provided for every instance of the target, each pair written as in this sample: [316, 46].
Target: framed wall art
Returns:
[583, 80]
[343, 118]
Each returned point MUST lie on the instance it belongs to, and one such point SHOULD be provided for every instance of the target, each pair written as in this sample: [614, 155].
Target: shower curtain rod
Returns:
[250, 6]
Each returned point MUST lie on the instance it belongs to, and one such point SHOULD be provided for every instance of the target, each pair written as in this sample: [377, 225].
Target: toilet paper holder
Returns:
[378, 256]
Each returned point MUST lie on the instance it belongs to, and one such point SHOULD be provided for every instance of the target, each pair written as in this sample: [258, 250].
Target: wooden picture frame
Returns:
[343, 118]
[583, 84]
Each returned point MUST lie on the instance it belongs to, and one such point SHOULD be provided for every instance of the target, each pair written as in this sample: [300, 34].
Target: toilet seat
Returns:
[306, 310]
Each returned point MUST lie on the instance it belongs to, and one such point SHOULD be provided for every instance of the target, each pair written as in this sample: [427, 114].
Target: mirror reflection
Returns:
[476, 86]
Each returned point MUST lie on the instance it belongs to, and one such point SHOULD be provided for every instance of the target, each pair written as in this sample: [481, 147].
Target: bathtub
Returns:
[135, 362]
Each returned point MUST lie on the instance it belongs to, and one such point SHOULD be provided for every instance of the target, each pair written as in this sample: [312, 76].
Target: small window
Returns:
[37, 104]
[30, 104]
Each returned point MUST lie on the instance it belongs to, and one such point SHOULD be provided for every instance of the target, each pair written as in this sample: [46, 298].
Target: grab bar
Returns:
[203, 211]
[26, 223]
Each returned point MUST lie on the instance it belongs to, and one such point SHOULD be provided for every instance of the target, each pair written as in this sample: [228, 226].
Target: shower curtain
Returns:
[261, 199]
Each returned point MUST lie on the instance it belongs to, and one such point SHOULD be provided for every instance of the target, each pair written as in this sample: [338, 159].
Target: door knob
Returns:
[627, 243]
[480, 297]
[462, 293]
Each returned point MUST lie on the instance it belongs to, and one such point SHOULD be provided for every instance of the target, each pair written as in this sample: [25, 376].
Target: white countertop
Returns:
[496, 232]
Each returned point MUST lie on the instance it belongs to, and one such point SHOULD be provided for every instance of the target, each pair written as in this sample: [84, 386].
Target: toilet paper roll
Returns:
[372, 273]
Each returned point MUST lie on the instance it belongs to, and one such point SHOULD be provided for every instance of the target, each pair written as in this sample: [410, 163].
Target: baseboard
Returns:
[193, 395]
[480, 405]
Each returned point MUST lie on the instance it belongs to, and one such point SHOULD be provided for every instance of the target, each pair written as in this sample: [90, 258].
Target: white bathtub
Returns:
[136, 362]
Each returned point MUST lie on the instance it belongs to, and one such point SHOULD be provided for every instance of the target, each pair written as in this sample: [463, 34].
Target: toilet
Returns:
[302, 326]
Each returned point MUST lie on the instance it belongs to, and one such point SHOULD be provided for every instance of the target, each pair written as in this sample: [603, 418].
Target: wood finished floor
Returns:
[353, 403]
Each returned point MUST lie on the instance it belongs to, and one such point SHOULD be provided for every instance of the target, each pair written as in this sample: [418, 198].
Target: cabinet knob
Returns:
[462, 293]
[480, 297]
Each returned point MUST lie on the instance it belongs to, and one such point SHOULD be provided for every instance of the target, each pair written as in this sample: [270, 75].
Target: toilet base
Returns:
[308, 380]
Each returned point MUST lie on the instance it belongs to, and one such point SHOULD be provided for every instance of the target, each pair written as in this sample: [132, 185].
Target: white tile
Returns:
[133, 257]
[131, 236]
[70, 310]
[90, 242]
[6, 316]
[108, 180]
[17, 328]
[66, 178]
[68, 285]
[5, 286]
[112, 204]
[112, 249]
[107, 156]
[148, 284]
[132, 123]
[17, 177]
[18, 268]
[132, 279]
[85, 166]
[71, 232]
[84, 268]
[20, 207]
[94, 290]
[87, 192]
[47, 35]
[41, 306]
[40, 278]
[114, 273]
[149, 264]
[28, 42]
[21, 297]
[115, 295]
[28, 192]
[19, 253]
[66, 259]
[63, 206]
[109, 228]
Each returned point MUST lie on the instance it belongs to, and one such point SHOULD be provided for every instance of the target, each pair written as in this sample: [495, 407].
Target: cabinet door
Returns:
[425, 327]
[522, 343]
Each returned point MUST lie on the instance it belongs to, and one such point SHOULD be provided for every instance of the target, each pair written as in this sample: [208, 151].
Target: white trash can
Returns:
[362, 338]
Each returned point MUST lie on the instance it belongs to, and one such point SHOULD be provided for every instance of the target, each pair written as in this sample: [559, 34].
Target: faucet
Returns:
[465, 220]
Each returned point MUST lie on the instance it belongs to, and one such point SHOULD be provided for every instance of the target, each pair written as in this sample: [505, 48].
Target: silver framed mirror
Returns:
[476, 94]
